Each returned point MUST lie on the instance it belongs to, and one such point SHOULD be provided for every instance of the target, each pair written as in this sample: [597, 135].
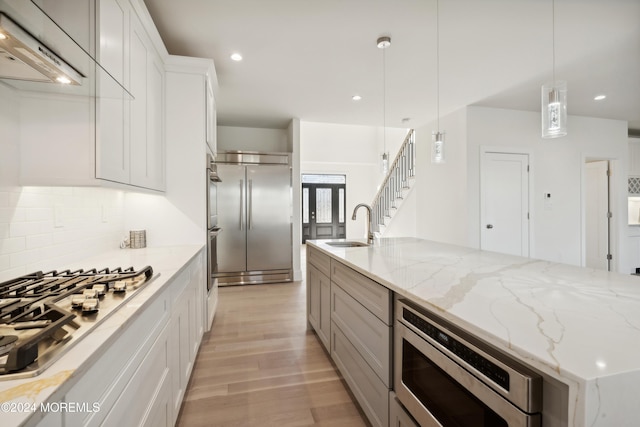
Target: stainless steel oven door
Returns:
[440, 393]
[212, 256]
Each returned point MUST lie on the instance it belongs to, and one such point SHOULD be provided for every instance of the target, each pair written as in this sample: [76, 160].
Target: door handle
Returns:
[241, 221]
[250, 202]
[489, 226]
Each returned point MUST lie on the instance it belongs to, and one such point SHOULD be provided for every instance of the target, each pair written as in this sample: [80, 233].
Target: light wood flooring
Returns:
[260, 366]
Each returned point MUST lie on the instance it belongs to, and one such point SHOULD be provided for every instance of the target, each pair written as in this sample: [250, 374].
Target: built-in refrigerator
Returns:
[255, 212]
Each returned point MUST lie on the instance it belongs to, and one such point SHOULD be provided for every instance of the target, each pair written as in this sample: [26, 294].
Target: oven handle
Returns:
[513, 416]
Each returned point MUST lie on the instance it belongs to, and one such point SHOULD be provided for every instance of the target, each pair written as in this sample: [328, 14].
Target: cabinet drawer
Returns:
[375, 297]
[369, 391]
[368, 334]
[321, 261]
[108, 376]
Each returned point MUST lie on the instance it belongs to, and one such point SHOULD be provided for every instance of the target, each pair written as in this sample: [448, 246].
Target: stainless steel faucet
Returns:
[369, 220]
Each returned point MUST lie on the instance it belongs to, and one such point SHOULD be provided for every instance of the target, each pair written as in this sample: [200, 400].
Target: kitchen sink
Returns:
[347, 244]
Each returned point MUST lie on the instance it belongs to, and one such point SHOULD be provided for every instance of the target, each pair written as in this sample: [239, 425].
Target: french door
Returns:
[323, 207]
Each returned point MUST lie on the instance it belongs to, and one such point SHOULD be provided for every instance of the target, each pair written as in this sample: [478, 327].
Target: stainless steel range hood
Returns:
[23, 57]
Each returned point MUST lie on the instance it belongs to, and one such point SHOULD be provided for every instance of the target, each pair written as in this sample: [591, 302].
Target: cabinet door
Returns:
[113, 32]
[147, 82]
[211, 118]
[313, 297]
[112, 100]
[319, 305]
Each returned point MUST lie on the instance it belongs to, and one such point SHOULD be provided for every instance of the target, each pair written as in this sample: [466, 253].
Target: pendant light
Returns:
[383, 43]
[554, 95]
[437, 143]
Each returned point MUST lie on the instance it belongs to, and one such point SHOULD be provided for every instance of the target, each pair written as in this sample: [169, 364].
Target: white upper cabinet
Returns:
[112, 104]
[147, 88]
[211, 116]
[113, 36]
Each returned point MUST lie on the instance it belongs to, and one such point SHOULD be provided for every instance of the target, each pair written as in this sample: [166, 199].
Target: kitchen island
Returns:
[132, 368]
[579, 328]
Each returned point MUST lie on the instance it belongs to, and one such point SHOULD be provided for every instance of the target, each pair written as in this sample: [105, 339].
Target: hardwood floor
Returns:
[260, 366]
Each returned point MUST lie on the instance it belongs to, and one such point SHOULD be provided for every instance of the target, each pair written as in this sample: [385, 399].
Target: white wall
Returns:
[252, 139]
[557, 167]
[441, 189]
[353, 151]
[449, 194]
[293, 136]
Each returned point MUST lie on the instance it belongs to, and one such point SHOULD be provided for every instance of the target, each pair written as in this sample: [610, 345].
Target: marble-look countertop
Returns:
[577, 325]
[20, 399]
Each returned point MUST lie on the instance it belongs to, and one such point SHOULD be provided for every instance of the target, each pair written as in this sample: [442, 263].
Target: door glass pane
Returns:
[305, 205]
[323, 206]
[341, 205]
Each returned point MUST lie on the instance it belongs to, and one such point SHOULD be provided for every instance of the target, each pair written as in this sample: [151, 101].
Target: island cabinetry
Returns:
[319, 295]
[361, 338]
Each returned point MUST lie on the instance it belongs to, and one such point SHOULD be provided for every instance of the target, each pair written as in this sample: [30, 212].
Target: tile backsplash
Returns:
[45, 228]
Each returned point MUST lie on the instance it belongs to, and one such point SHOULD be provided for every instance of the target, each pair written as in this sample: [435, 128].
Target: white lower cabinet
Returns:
[140, 378]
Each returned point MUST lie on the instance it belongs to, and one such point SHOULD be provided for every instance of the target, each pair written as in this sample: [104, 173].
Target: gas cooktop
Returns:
[43, 314]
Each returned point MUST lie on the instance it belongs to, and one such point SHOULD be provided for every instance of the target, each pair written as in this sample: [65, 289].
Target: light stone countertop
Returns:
[577, 325]
[19, 397]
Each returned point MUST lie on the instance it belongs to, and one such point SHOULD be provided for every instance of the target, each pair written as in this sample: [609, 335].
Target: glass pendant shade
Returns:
[554, 110]
[384, 164]
[437, 147]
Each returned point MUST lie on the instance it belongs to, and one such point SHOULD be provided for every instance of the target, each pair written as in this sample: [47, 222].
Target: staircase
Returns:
[396, 184]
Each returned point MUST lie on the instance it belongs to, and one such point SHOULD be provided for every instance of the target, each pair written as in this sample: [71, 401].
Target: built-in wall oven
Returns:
[212, 221]
[445, 377]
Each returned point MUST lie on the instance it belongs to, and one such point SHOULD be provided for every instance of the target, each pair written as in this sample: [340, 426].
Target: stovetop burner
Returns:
[43, 314]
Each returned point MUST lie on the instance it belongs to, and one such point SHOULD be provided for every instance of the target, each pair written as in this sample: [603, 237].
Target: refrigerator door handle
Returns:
[250, 203]
[241, 221]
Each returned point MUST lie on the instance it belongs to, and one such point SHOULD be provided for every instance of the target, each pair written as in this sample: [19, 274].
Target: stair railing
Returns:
[396, 181]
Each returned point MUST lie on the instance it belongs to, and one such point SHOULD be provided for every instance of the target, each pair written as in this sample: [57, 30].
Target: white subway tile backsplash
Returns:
[21, 229]
[4, 198]
[12, 245]
[22, 258]
[44, 228]
[39, 214]
[39, 241]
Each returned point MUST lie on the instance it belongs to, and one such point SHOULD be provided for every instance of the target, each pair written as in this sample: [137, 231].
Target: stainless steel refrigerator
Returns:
[255, 212]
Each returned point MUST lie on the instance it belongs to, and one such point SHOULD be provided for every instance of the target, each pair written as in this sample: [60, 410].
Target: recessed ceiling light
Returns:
[356, 97]
[599, 97]
[236, 57]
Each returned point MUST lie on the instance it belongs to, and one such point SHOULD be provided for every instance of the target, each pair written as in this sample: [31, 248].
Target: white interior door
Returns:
[597, 215]
[504, 203]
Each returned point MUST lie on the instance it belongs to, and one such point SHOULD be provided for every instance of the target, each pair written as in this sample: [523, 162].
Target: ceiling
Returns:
[306, 59]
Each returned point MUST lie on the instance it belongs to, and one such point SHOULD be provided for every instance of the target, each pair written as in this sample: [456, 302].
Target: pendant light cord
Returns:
[384, 101]
[553, 38]
[438, 64]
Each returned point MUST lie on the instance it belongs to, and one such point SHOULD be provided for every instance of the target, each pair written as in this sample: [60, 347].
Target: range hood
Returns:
[23, 57]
